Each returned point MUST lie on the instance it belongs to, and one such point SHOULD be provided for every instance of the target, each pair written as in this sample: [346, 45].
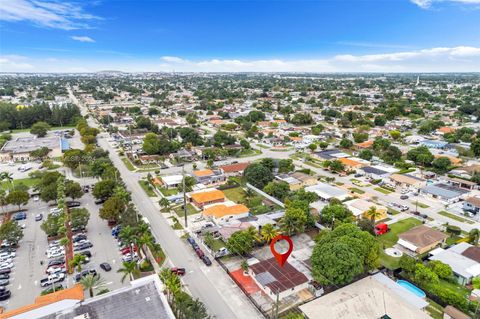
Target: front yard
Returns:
[147, 188]
[391, 237]
[180, 211]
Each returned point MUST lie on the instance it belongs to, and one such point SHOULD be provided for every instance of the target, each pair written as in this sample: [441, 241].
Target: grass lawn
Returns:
[434, 310]
[421, 205]
[357, 190]
[176, 225]
[190, 210]
[455, 217]
[262, 146]
[389, 261]
[393, 211]
[390, 238]
[53, 128]
[128, 164]
[217, 244]
[168, 192]
[236, 194]
[29, 182]
[147, 188]
[250, 152]
[382, 190]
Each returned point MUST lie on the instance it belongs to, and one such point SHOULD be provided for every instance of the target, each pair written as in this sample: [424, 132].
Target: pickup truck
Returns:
[52, 279]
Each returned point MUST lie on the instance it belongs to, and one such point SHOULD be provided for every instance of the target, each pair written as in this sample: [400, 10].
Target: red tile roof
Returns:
[239, 167]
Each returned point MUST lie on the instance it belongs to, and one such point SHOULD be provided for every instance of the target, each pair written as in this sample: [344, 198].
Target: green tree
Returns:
[475, 147]
[40, 129]
[74, 157]
[474, 235]
[366, 154]
[391, 155]
[79, 217]
[294, 220]
[395, 134]
[285, 166]
[373, 213]
[407, 263]
[18, 197]
[442, 270]
[268, 232]
[312, 147]
[189, 183]
[335, 211]
[165, 204]
[104, 189]
[171, 281]
[40, 153]
[346, 143]
[129, 269]
[360, 137]
[258, 175]
[51, 225]
[278, 190]
[112, 209]
[77, 262]
[89, 282]
[442, 164]
[425, 275]
[244, 143]
[336, 166]
[10, 231]
[241, 242]
[73, 190]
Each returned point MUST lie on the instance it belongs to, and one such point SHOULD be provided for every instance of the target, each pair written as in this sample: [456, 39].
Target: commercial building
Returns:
[372, 297]
[444, 192]
[19, 149]
[144, 298]
[407, 181]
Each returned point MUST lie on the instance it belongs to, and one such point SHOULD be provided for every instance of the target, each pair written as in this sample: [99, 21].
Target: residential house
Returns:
[171, 181]
[234, 169]
[225, 211]
[275, 280]
[359, 207]
[450, 312]
[463, 258]
[378, 171]
[472, 204]
[330, 155]
[407, 181]
[364, 145]
[444, 192]
[373, 297]
[207, 197]
[326, 192]
[421, 239]
[209, 177]
[434, 144]
[352, 164]
[461, 183]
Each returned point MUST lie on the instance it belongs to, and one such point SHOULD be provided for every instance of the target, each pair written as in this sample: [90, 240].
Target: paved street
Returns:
[210, 284]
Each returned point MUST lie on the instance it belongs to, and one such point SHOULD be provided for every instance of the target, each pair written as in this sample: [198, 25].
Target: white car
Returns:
[6, 260]
[56, 254]
[36, 198]
[55, 210]
[129, 257]
[81, 242]
[7, 255]
[6, 265]
[55, 270]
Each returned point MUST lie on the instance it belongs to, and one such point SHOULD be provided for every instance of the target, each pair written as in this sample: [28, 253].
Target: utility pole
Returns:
[276, 307]
[184, 196]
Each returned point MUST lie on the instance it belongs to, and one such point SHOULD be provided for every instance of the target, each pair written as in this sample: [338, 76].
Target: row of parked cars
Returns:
[129, 252]
[7, 255]
[199, 251]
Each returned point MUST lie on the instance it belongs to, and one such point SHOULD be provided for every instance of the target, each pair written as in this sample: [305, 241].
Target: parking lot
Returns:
[28, 271]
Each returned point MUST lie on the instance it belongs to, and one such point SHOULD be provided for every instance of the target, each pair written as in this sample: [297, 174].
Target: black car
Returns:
[206, 260]
[85, 273]
[79, 237]
[4, 276]
[4, 295]
[105, 266]
[100, 201]
[8, 250]
[404, 197]
[71, 204]
[56, 262]
[83, 246]
[86, 253]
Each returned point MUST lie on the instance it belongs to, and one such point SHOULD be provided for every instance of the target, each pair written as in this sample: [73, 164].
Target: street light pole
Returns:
[184, 196]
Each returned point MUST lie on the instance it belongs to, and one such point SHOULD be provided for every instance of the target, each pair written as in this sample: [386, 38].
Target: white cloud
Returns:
[440, 59]
[425, 4]
[82, 39]
[46, 13]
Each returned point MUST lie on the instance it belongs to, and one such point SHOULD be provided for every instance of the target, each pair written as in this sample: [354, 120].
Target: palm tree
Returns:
[165, 203]
[129, 269]
[145, 239]
[373, 213]
[474, 235]
[268, 232]
[171, 281]
[252, 231]
[127, 235]
[77, 262]
[89, 282]
[3, 199]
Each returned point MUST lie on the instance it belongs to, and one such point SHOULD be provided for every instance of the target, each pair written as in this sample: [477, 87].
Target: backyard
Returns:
[390, 238]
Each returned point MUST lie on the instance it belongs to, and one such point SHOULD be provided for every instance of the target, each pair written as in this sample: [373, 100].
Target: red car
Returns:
[178, 271]
[199, 252]
[127, 250]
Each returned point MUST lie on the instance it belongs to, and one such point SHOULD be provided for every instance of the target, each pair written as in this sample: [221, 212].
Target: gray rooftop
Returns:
[142, 301]
[444, 191]
[29, 144]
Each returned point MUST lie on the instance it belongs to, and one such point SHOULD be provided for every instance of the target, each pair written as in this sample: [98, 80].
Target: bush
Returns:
[454, 230]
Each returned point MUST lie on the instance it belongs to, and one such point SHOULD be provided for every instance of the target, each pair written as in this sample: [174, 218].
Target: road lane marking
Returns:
[19, 287]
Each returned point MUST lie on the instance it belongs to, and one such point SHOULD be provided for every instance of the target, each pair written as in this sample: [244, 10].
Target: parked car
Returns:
[4, 295]
[191, 241]
[105, 266]
[4, 271]
[55, 210]
[417, 213]
[20, 216]
[199, 253]
[206, 260]
[55, 287]
[4, 276]
[85, 273]
[59, 253]
[100, 201]
[129, 257]
[52, 279]
[404, 197]
[55, 269]
[6, 265]
[178, 271]
[86, 253]
[83, 246]
[71, 204]
[56, 262]
[38, 217]
[79, 238]
[4, 282]
[7, 254]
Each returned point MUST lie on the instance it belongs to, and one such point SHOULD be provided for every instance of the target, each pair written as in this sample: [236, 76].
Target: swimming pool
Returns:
[412, 288]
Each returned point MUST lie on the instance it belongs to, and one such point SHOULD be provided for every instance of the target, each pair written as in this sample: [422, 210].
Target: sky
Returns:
[240, 36]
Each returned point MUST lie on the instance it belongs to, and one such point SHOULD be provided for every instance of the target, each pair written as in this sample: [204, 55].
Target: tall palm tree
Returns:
[165, 203]
[145, 239]
[171, 281]
[252, 231]
[474, 235]
[268, 232]
[129, 269]
[127, 234]
[3, 199]
[373, 213]
[89, 282]
[77, 262]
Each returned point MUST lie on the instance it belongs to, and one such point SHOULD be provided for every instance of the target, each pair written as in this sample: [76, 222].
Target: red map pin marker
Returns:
[281, 258]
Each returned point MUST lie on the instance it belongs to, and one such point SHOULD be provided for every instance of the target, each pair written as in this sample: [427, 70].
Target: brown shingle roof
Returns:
[473, 253]
[285, 277]
[422, 236]
[239, 167]
[455, 313]
[475, 201]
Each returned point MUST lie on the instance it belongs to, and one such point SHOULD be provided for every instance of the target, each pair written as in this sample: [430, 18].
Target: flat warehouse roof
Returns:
[29, 144]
